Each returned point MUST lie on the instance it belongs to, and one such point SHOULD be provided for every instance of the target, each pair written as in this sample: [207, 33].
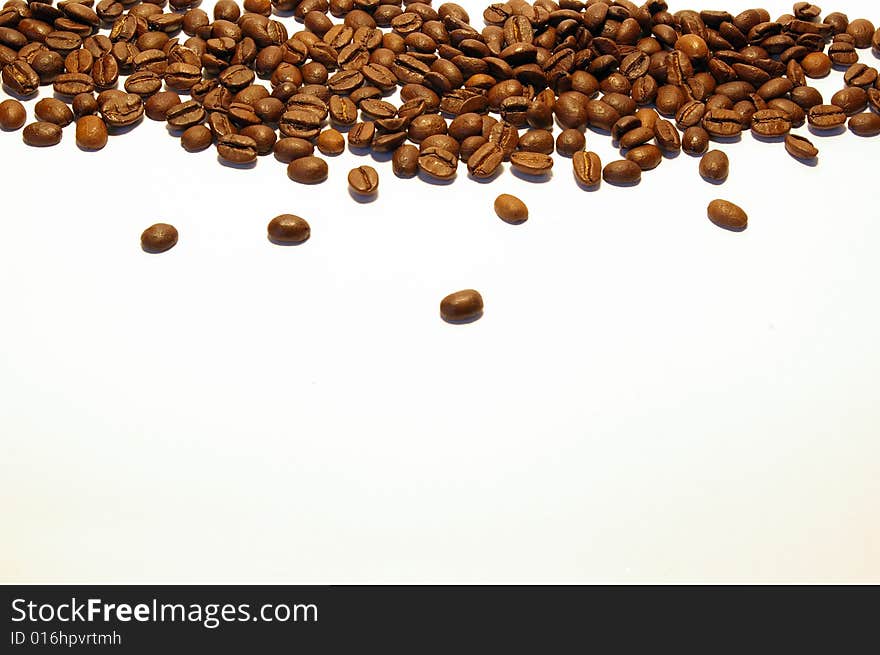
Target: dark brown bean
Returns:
[622, 172]
[800, 148]
[511, 209]
[462, 306]
[308, 170]
[288, 229]
[12, 115]
[363, 180]
[159, 238]
[727, 215]
[91, 133]
[715, 166]
[587, 168]
[41, 134]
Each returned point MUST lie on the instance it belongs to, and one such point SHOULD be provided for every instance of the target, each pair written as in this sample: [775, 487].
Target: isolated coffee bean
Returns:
[727, 215]
[159, 238]
[622, 172]
[826, 117]
[587, 168]
[363, 180]
[12, 115]
[41, 134]
[91, 133]
[308, 170]
[647, 156]
[237, 149]
[52, 110]
[867, 124]
[462, 306]
[288, 228]
[196, 138]
[800, 148]
[531, 163]
[715, 166]
[695, 140]
[511, 209]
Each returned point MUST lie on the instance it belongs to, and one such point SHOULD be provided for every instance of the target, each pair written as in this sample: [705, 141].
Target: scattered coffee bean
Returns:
[12, 115]
[91, 133]
[570, 141]
[511, 209]
[288, 228]
[800, 148]
[715, 166]
[291, 147]
[196, 138]
[308, 170]
[531, 163]
[405, 161]
[727, 215]
[363, 180]
[438, 163]
[647, 156]
[622, 172]
[695, 140]
[462, 306]
[159, 238]
[41, 134]
[587, 168]
[52, 110]
[826, 117]
[330, 142]
[867, 124]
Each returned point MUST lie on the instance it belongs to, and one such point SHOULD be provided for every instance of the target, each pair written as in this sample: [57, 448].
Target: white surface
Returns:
[647, 398]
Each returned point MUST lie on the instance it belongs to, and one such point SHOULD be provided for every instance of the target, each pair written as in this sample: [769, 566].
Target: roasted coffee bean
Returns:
[826, 117]
[41, 134]
[537, 141]
[637, 137]
[647, 156]
[405, 161]
[851, 99]
[263, 135]
[727, 215]
[330, 142]
[690, 114]
[361, 134]
[531, 163]
[570, 141]
[53, 111]
[511, 209]
[71, 84]
[667, 136]
[438, 162]
[196, 138]
[587, 168]
[862, 31]
[20, 78]
[307, 170]
[860, 75]
[715, 166]
[12, 115]
[722, 122]
[237, 149]
[484, 162]
[288, 228]
[91, 133]
[84, 104]
[122, 109]
[770, 123]
[143, 83]
[622, 172]
[695, 140]
[816, 65]
[421, 127]
[796, 115]
[867, 124]
[462, 306]
[601, 115]
[290, 148]
[186, 114]
[156, 106]
[159, 238]
[363, 180]
[800, 148]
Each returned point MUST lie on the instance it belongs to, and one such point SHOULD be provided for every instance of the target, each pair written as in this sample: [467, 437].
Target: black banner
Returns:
[417, 619]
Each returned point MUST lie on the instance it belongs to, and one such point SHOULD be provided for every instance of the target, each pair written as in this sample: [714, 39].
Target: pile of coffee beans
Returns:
[440, 94]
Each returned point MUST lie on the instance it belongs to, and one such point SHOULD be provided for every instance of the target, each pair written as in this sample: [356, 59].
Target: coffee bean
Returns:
[307, 170]
[511, 209]
[647, 157]
[12, 115]
[364, 180]
[714, 166]
[536, 141]
[159, 238]
[826, 117]
[462, 306]
[330, 142]
[41, 134]
[800, 148]
[667, 136]
[438, 162]
[638, 136]
[122, 109]
[867, 124]
[91, 133]
[196, 138]
[531, 163]
[851, 99]
[288, 228]
[695, 140]
[186, 114]
[722, 122]
[622, 172]
[52, 110]
[770, 123]
[237, 149]
[71, 84]
[157, 106]
[405, 161]
[570, 141]
[816, 64]
[587, 168]
[485, 160]
[290, 148]
[20, 78]
[727, 215]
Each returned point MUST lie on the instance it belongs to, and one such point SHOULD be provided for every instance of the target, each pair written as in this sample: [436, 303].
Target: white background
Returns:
[647, 398]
